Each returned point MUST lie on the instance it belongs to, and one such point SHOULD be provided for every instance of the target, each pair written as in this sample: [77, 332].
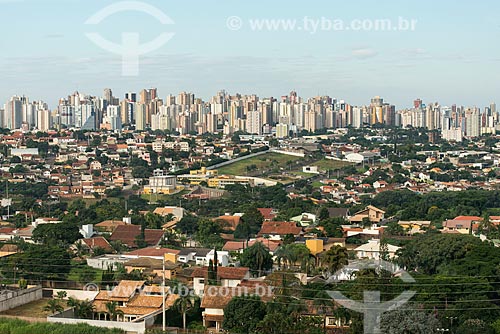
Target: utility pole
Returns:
[163, 294]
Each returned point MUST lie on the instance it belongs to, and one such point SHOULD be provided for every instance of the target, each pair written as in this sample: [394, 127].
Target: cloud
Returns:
[363, 53]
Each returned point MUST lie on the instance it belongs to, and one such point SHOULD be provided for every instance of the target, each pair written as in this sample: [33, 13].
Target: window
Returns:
[331, 322]
[202, 281]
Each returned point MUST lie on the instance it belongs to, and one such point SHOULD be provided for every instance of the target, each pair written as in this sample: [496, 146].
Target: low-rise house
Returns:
[157, 253]
[226, 277]
[462, 226]
[216, 298]
[304, 219]
[268, 213]
[371, 250]
[339, 213]
[133, 299]
[229, 222]
[197, 255]
[94, 243]
[128, 235]
[152, 267]
[373, 214]
[278, 230]
[414, 227]
[109, 225]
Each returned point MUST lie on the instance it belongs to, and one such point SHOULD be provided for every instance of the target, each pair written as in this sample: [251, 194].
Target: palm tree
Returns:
[309, 264]
[73, 302]
[53, 306]
[486, 224]
[113, 311]
[261, 254]
[83, 309]
[283, 256]
[334, 259]
[86, 309]
[184, 304]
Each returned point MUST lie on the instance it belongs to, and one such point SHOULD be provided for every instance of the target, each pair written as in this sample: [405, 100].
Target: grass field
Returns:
[326, 164]
[33, 310]
[263, 163]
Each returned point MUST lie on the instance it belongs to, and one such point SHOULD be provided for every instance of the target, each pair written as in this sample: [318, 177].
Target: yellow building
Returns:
[204, 171]
[223, 181]
[315, 246]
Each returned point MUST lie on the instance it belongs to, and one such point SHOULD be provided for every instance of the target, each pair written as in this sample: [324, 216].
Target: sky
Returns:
[452, 55]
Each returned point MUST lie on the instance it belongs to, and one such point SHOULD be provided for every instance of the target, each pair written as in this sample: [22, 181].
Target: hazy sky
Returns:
[453, 56]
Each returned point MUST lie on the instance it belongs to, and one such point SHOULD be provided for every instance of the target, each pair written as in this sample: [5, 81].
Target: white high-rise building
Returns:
[254, 122]
[472, 123]
[13, 113]
[44, 120]
[357, 117]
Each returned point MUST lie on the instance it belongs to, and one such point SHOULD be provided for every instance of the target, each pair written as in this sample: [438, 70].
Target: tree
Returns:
[188, 225]
[243, 314]
[334, 259]
[290, 254]
[113, 311]
[208, 234]
[40, 262]
[323, 214]
[409, 320]
[53, 306]
[63, 234]
[257, 258]
[450, 254]
[184, 304]
[253, 218]
[83, 309]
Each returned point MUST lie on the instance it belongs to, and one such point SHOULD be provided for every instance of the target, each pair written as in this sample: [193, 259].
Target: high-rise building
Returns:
[282, 130]
[44, 120]
[472, 122]
[14, 113]
[254, 122]
[140, 120]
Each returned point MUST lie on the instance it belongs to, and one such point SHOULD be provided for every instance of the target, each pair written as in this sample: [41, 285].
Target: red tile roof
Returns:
[97, 242]
[153, 251]
[475, 218]
[279, 228]
[229, 222]
[127, 234]
[267, 213]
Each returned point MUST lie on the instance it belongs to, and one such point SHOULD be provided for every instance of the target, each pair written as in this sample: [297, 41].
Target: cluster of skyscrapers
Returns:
[283, 117]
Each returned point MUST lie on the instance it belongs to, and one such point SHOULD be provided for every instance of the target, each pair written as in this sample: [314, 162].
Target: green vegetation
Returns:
[437, 206]
[257, 258]
[9, 326]
[262, 163]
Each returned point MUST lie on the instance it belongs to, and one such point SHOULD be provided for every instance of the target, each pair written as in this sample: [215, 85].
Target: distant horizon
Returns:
[444, 52]
[121, 96]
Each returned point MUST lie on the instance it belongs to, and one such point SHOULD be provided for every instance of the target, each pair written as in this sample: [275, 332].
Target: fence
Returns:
[10, 298]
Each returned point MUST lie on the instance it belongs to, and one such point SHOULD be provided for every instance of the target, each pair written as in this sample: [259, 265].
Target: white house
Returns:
[226, 277]
[371, 250]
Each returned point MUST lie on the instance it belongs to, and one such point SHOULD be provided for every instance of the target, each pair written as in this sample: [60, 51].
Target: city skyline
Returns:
[285, 116]
[446, 58]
